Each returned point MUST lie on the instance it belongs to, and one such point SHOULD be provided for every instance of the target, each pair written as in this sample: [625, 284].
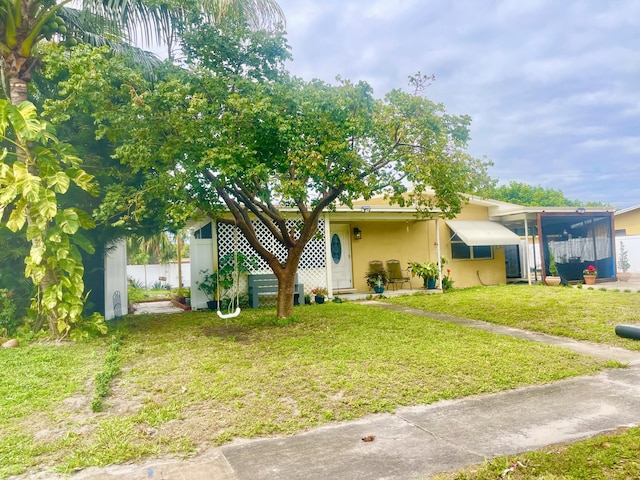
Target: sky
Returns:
[552, 86]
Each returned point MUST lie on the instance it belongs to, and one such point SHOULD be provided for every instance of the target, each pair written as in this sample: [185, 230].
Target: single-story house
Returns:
[488, 243]
[627, 221]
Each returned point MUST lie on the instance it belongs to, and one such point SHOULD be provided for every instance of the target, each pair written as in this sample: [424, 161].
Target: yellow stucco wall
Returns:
[415, 240]
[385, 240]
[629, 221]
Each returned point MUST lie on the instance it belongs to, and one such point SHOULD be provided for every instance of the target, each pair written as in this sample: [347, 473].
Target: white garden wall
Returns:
[632, 246]
[148, 275]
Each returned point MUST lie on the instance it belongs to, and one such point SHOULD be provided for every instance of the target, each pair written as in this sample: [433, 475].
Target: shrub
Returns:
[9, 322]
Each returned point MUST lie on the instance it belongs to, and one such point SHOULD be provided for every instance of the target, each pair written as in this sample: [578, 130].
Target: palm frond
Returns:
[98, 31]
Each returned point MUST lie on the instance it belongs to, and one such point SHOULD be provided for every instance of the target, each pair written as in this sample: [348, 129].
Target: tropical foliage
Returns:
[26, 28]
[425, 270]
[29, 204]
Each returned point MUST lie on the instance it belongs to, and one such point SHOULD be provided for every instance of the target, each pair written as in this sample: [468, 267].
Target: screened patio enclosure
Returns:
[577, 237]
[577, 241]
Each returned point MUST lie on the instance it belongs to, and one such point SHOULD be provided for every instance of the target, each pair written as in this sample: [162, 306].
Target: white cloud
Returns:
[627, 145]
[549, 85]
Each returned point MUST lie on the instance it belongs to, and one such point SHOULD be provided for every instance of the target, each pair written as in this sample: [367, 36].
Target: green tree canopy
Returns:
[238, 134]
[534, 196]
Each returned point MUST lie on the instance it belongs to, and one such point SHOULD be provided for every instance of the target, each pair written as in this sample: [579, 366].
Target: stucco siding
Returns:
[405, 240]
[629, 221]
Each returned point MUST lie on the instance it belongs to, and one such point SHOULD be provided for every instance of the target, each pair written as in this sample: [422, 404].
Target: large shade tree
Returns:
[240, 136]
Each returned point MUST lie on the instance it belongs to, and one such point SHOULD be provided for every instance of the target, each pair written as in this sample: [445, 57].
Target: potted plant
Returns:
[378, 284]
[377, 279]
[428, 271]
[552, 279]
[228, 265]
[589, 274]
[187, 296]
[181, 295]
[623, 264]
[209, 286]
[319, 293]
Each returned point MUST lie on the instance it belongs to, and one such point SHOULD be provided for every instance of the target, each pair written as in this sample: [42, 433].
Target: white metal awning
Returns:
[483, 232]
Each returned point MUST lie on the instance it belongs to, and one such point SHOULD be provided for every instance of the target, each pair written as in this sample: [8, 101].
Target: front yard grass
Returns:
[581, 314]
[611, 456]
[190, 381]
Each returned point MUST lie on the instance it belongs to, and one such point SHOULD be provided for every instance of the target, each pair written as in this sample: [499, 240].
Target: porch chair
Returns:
[397, 276]
[376, 266]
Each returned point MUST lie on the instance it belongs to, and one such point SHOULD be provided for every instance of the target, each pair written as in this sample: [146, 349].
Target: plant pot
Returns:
[319, 300]
[624, 276]
[589, 279]
[552, 281]
[431, 283]
[378, 289]
[212, 304]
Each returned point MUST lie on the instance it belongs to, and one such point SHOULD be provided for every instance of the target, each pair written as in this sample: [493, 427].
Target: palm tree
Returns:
[172, 17]
[158, 248]
[24, 23]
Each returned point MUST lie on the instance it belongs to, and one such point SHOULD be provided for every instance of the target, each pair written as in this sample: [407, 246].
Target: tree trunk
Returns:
[286, 286]
[18, 91]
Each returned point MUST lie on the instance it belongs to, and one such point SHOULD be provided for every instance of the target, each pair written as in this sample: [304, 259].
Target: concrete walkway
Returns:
[417, 442]
[155, 307]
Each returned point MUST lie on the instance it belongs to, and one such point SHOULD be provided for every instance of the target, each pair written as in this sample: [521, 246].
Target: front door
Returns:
[340, 247]
[512, 259]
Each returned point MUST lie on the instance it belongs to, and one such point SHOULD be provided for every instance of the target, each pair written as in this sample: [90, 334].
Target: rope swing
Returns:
[236, 278]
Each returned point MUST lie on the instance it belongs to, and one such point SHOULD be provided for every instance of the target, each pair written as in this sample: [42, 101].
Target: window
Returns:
[460, 250]
[204, 232]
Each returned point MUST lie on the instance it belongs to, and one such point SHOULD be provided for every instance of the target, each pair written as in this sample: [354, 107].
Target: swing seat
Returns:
[224, 316]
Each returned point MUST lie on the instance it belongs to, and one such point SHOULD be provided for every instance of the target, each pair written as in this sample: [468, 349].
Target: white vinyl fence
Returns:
[632, 246]
[163, 274]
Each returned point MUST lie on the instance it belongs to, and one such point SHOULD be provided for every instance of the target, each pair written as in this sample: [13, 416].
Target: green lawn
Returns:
[189, 380]
[582, 314]
[609, 456]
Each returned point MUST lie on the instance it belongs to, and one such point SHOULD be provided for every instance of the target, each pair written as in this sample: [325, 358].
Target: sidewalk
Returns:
[417, 442]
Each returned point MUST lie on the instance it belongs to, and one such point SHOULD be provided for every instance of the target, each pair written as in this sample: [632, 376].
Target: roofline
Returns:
[627, 210]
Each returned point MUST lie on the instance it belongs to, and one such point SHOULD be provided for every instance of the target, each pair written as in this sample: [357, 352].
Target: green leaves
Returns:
[24, 119]
[18, 216]
[32, 176]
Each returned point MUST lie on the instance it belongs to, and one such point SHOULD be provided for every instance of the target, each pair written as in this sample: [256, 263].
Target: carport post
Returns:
[438, 250]
[526, 236]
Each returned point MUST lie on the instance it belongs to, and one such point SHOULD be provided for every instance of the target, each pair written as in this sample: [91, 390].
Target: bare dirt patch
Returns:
[228, 332]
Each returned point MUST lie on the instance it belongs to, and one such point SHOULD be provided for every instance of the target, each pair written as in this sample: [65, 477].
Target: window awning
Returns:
[483, 232]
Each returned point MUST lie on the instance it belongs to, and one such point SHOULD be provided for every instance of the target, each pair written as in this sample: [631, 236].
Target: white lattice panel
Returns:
[312, 267]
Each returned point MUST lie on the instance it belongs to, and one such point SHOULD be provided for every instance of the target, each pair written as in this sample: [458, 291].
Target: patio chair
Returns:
[376, 266]
[397, 276]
